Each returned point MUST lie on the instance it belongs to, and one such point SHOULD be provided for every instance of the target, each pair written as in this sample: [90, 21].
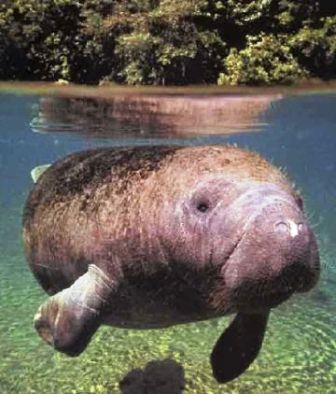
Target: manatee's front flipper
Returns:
[238, 346]
[68, 320]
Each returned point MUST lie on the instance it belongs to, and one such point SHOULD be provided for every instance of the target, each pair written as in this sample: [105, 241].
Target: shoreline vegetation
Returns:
[168, 42]
[111, 90]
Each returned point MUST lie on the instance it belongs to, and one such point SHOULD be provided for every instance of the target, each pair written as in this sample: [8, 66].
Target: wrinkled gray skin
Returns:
[156, 236]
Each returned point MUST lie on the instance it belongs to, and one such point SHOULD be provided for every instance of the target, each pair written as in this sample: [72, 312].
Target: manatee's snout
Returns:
[300, 260]
[277, 253]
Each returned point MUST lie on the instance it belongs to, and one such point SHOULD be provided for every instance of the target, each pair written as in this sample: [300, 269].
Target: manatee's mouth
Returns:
[254, 296]
[261, 301]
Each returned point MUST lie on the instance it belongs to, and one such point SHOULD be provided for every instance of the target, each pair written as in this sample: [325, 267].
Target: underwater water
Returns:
[296, 132]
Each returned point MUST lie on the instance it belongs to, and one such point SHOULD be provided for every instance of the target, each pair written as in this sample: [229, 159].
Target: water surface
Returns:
[296, 132]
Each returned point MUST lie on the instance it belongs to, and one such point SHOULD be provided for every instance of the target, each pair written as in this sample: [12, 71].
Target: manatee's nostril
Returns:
[289, 227]
[300, 227]
[281, 227]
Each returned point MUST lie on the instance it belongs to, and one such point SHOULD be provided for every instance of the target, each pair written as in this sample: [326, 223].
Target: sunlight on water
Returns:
[296, 132]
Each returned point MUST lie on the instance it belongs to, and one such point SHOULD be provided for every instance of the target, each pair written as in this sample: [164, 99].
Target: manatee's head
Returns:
[248, 223]
[255, 234]
[274, 253]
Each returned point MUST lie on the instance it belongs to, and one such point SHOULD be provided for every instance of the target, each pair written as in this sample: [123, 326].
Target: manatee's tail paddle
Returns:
[238, 346]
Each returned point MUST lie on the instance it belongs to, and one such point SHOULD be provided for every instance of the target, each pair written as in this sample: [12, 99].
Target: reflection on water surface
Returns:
[160, 115]
[294, 132]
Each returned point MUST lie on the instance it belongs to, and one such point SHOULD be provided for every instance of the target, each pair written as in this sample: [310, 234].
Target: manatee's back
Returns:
[60, 216]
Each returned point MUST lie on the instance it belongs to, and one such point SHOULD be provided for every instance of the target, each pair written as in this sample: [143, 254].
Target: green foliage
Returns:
[48, 39]
[316, 48]
[40, 45]
[160, 42]
[167, 41]
[266, 59]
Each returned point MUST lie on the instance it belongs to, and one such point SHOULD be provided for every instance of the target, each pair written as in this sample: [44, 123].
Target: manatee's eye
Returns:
[208, 195]
[202, 206]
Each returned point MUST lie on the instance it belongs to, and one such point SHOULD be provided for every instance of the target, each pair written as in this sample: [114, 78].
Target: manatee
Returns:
[149, 237]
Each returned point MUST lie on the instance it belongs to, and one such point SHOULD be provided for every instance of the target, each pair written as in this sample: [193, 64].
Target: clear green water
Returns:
[299, 352]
